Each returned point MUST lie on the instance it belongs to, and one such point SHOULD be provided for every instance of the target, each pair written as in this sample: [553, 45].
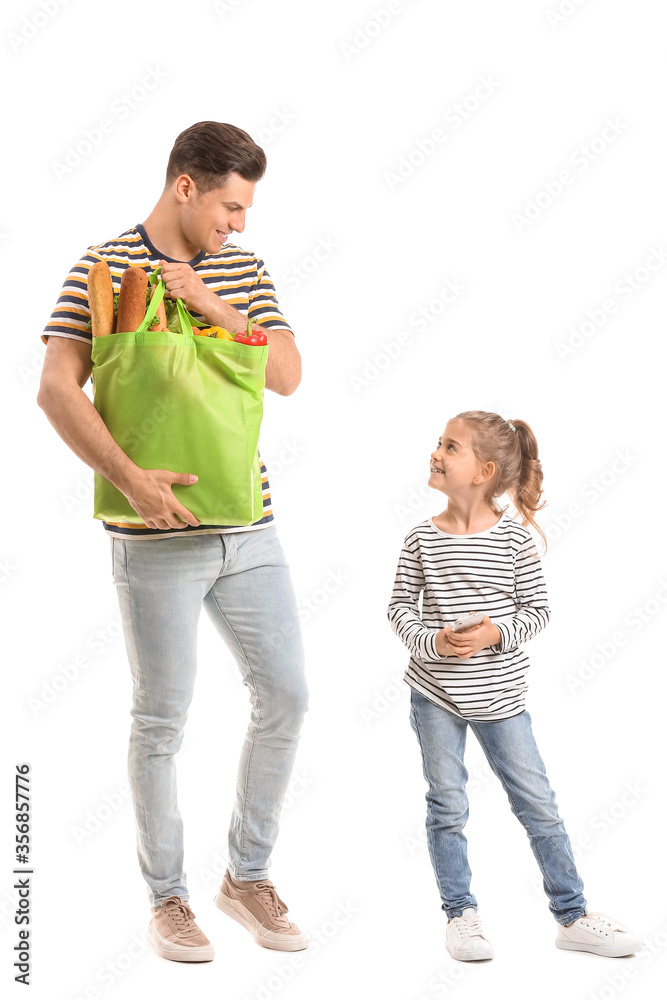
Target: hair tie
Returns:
[511, 426]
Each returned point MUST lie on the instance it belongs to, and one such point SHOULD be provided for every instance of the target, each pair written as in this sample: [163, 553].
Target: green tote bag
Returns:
[184, 403]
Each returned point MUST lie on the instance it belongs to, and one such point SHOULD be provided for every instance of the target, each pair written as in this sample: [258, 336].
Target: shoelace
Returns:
[180, 914]
[602, 923]
[469, 927]
[267, 890]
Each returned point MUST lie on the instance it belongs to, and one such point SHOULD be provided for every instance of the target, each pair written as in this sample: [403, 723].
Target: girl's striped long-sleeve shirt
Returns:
[236, 275]
[497, 571]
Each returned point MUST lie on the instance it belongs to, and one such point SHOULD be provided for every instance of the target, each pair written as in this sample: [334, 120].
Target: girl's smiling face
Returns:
[454, 465]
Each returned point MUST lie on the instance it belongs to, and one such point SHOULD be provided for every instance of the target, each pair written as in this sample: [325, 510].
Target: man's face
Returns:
[208, 219]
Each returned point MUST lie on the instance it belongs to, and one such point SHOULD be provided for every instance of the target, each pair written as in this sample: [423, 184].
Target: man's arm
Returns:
[283, 366]
[67, 367]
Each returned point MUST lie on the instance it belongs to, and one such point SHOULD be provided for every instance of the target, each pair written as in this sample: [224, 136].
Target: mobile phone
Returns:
[461, 624]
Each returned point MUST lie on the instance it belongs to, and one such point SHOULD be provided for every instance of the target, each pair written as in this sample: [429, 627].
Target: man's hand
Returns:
[464, 644]
[149, 492]
[283, 366]
[182, 282]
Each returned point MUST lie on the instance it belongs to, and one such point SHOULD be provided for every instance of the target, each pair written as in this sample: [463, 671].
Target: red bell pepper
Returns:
[251, 337]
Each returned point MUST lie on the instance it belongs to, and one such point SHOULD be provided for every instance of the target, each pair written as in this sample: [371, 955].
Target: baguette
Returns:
[160, 321]
[132, 299]
[100, 299]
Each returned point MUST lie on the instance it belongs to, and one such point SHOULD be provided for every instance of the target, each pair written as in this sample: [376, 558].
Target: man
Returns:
[166, 568]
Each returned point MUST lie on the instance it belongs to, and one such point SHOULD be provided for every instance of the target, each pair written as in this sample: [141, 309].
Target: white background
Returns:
[340, 96]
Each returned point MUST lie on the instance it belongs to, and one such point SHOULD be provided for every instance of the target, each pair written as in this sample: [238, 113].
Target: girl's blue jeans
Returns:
[513, 756]
[243, 582]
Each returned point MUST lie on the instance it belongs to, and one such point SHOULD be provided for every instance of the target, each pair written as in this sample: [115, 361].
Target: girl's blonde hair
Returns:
[514, 453]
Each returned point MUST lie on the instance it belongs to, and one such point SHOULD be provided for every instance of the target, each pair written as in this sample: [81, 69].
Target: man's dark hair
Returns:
[209, 151]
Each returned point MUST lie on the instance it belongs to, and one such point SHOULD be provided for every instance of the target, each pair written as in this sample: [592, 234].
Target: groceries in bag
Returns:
[124, 312]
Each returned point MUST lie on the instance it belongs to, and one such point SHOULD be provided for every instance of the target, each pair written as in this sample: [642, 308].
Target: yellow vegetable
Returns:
[213, 331]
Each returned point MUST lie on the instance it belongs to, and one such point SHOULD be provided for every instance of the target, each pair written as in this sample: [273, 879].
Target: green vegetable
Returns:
[171, 311]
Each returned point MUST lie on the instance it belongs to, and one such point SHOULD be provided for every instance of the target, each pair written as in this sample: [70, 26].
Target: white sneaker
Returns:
[599, 934]
[465, 939]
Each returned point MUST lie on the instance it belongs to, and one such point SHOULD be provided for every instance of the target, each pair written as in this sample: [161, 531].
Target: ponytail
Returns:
[512, 447]
[527, 493]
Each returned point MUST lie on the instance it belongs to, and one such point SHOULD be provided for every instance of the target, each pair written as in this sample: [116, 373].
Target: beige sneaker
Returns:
[464, 938]
[600, 934]
[260, 910]
[173, 933]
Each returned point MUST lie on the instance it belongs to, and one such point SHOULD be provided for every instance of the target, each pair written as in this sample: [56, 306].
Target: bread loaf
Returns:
[132, 299]
[100, 299]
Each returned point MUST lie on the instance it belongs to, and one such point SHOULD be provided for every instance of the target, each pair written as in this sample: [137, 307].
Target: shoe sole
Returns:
[603, 952]
[175, 954]
[470, 958]
[237, 911]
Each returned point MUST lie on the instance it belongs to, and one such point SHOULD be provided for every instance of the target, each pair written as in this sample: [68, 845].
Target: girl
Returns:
[473, 557]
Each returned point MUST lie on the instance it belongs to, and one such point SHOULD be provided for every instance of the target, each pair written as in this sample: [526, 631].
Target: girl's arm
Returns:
[531, 595]
[403, 610]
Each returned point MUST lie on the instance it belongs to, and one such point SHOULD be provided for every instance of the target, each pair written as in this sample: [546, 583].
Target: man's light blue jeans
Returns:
[513, 756]
[243, 581]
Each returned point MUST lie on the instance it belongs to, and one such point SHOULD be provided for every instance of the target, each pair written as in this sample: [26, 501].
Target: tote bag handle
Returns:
[187, 321]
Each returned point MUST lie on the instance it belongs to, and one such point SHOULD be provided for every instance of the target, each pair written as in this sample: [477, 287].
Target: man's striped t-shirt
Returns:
[497, 571]
[236, 275]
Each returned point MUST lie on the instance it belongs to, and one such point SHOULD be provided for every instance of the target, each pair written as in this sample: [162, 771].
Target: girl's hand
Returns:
[464, 644]
[443, 647]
